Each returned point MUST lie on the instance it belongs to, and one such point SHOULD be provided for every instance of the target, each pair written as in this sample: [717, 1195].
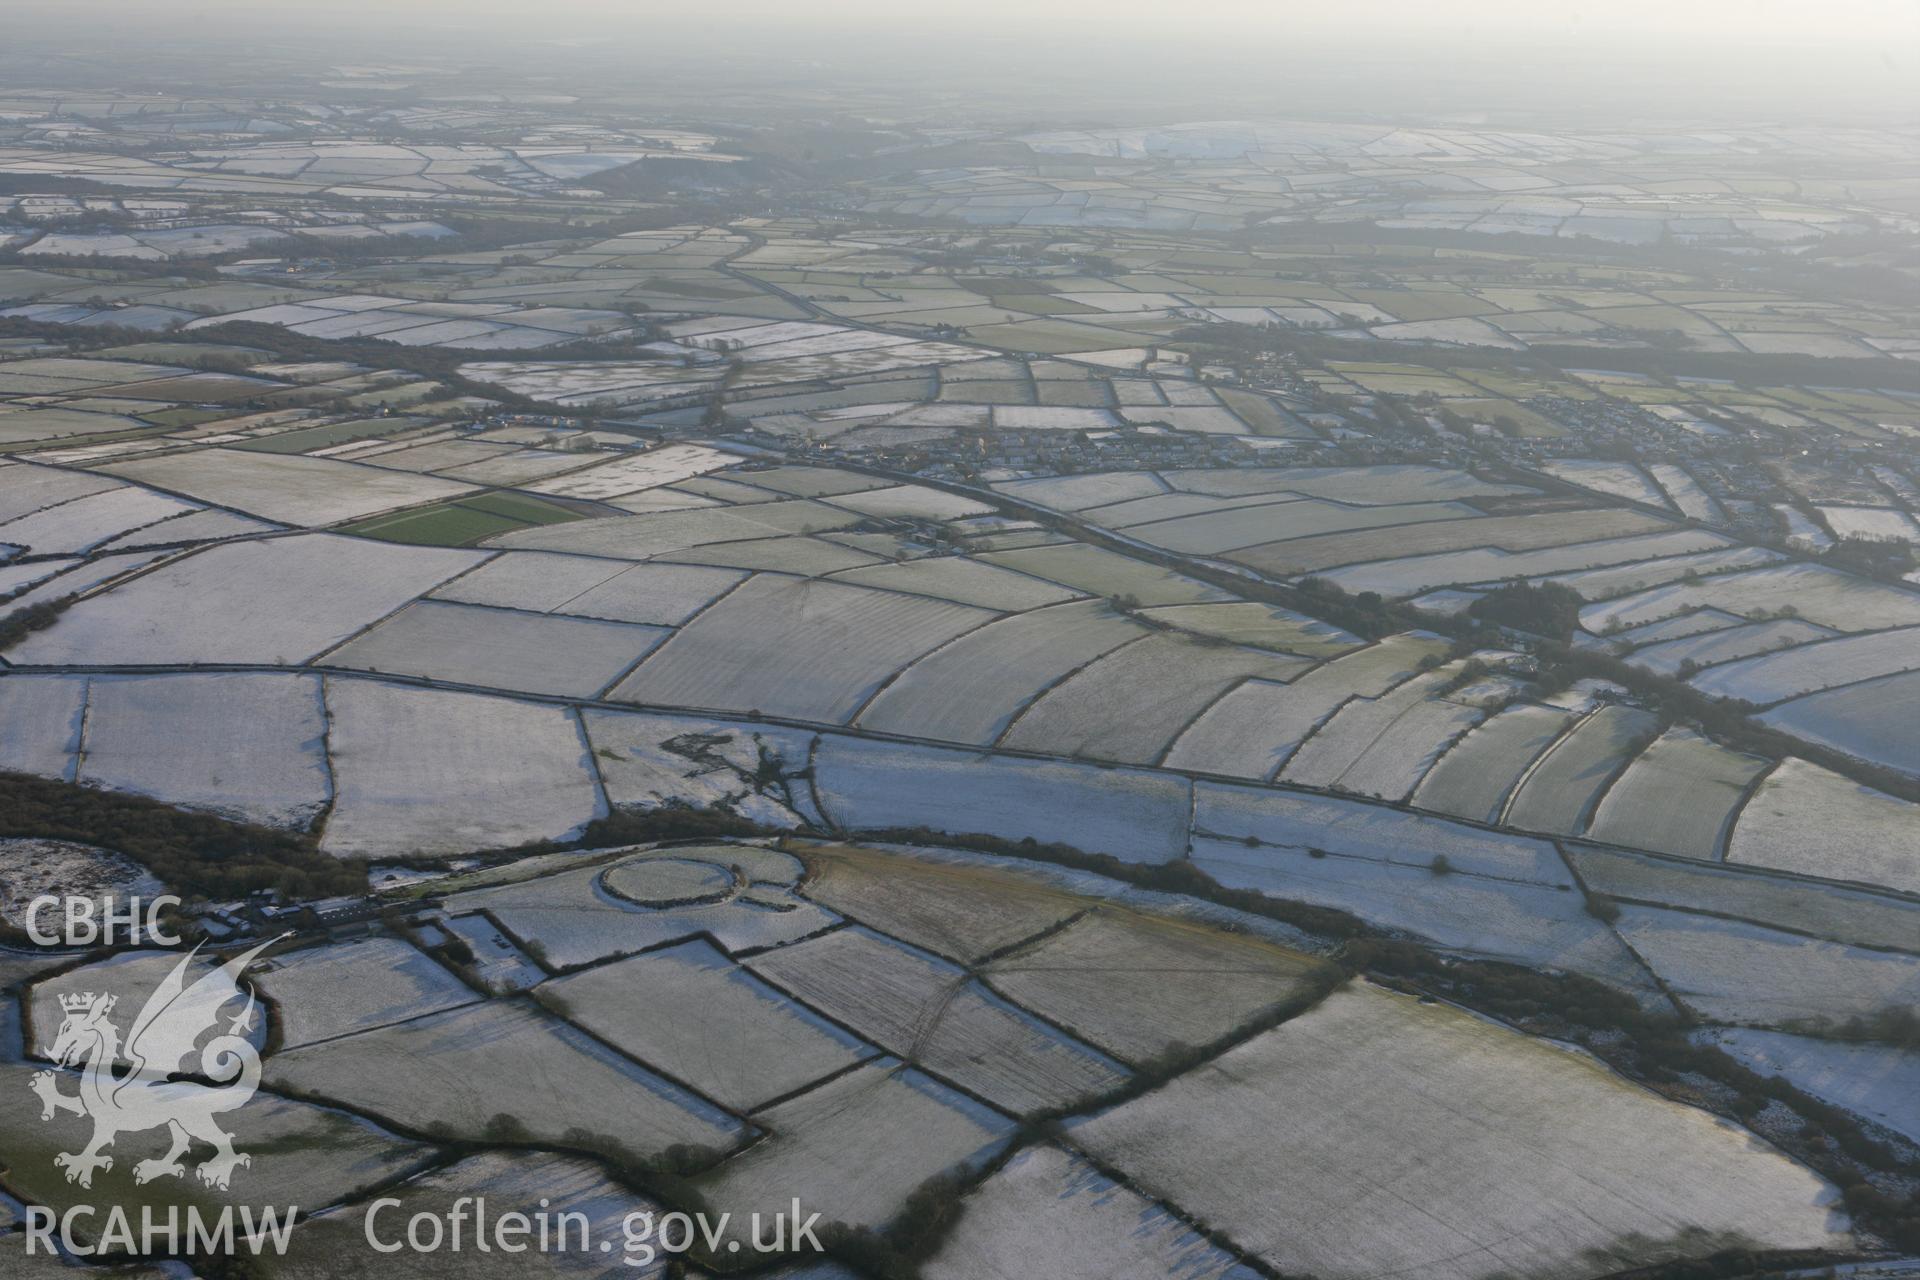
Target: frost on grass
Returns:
[585, 586]
[1049, 1213]
[1836, 912]
[281, 600]
[756, 771]
[438, 772]
[1679, 796]
[1809, 668]
[961, 911]
[692, 1013]
[503, 1071]
[1396, 761]
[1131, 814]
[591, 913]
[1264, 625]
[40, 718]
[1375, 1135]
[1878, 1081]
[1252, 731]
[1354, 829]
[1872, 721]
[1107, 573]
[839, 1146]
[1139, 985]
[30, 868]
[795, 647]
[1561, 790]
[970, 689]
[290, 488]
[962, 581]
[247, 747]
[1819, 823]
[85, 523]
[1474, 778]
[1131, 704]
[338, 989]
[128, 976]
[932, 1014]
[499, 648]
[1747, 974]
[1486, 915]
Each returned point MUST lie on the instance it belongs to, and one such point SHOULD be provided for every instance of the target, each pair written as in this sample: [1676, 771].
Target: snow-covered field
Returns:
[1616, 479]
[690, 1012]
[1376, 1135]
[1099, 572]
[1733, 971]
[1685, 493]
[248, 746]
[88, 522]
[1775, 677]
[1726, 644]
[1130, 704]
[916, 1005]
[647, 760]
[278, 600]
[499, 648]
[970, 689]
[493, 1050]
[1252, 731]
[285, 487]
[1263, 625]
[1872, 522]
[1360, 726]
[1881, 1082]
[1418, 573]
[1837, 912]
[322, 992]
[1525, 922]
[1474, 778]
[795, 647]
[962, 580]
[439, 772]
[630, 473]
[842, 1142]
[570, 919]
[1871, 721]
[912, 502]
[334, 1246]
[1811, 820]
[588, 587]
[1814, 592]
[1678, 796]
[1561, 790]
[1139, 986]
[1049, 1213]
[1079, 492]
[1134, 815]
[301, 1154]
[40, 719]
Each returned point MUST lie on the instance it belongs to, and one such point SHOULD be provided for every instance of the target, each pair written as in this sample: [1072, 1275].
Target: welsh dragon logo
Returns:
[161, 1044]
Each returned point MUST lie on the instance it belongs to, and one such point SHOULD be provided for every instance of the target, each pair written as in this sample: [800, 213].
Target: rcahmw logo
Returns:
[163, 1042]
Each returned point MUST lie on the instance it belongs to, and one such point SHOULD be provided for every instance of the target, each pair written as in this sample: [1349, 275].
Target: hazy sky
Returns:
[1778, 59]
[1740, 21]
